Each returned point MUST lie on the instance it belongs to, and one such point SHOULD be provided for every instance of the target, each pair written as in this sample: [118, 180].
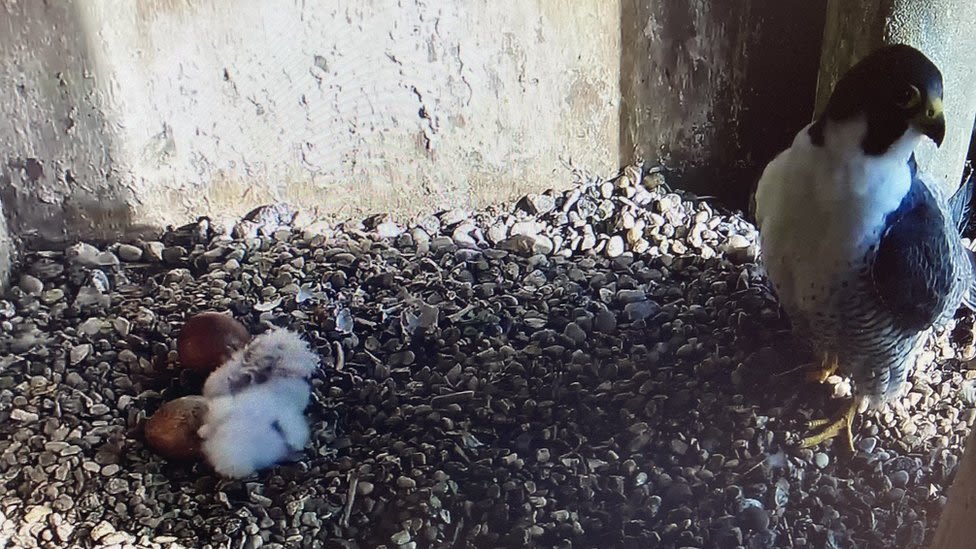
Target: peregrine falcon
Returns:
[864, 252]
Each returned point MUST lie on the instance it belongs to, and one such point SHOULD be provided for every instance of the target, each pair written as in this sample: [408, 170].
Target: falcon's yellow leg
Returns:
[832, 428]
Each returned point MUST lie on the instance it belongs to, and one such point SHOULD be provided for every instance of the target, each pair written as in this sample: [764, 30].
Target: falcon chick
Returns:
[256, 403]
[277, 353]
[864, 253]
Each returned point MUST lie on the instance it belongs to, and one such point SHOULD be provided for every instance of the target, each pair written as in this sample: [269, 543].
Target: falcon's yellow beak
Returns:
[930, 120]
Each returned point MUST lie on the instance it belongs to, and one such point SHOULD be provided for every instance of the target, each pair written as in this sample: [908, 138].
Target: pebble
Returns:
[631, 296]
[867, 444]
[605, 322]
[23, 415]
[174, 255]
[575, 333]
[754, 518]
[641, 310]
[79, 353]
[122, 326]
[738, 241]
[102, 530]
[615, 246]
[36, 514]
[400, 538]
[542, 245]
[899, 478]
[539, 203]
[679, 447]
[388, 229]
[52, 296]
[154, 251]
[364, 488]
[129, 253]
[31, 285]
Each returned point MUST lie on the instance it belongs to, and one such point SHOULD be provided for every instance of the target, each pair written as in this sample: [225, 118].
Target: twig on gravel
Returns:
[340, 360]
[350, 497]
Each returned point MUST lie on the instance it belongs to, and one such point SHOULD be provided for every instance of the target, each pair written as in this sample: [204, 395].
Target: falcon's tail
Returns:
[961, 203]
[969, 298]
[960, 207]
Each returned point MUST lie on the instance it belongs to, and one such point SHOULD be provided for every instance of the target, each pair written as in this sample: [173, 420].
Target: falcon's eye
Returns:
[908, 97]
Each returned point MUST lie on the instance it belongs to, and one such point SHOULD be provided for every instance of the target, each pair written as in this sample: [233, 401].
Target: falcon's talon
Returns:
[833, 428]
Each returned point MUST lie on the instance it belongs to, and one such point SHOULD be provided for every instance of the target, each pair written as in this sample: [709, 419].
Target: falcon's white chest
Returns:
[821, 211]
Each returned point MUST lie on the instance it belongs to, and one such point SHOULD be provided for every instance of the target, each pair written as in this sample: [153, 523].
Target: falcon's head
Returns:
[895, 88]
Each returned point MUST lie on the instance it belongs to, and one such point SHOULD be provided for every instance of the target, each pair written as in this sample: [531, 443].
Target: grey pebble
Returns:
[400, 538]
[174, 255]
[641, 310]
[867, 444]
[31, 284]
[899, 478]
[129, 253]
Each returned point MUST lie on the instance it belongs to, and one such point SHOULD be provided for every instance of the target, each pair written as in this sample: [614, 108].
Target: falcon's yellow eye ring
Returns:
[908, 98]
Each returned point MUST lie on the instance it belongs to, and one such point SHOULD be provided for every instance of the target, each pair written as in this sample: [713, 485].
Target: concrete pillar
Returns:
[716, 89]
[943, 30]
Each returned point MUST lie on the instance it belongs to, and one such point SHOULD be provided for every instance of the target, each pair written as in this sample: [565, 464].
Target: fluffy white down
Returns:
[251, 426]
[820, 208]
[286, 351]
[255, 428]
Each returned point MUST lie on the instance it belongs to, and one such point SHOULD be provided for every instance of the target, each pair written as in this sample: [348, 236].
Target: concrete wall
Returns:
[125, 116]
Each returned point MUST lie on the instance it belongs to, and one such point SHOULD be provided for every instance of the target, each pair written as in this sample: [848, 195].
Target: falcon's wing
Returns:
[914, 269]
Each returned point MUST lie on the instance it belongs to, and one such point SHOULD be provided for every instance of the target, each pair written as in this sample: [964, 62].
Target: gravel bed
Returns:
[604, 367]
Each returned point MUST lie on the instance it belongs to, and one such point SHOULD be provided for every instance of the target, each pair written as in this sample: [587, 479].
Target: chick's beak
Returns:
[931, 121]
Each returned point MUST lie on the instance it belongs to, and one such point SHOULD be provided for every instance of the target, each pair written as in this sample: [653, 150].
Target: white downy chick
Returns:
[278, 353]
[255, 428]
[257, 399]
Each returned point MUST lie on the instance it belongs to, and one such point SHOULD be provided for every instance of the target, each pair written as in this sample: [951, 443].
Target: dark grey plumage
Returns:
[916, 280]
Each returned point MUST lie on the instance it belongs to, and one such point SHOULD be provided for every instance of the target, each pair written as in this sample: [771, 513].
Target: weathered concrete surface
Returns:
[717, 88]
[943, 30]
[130, 115]
[58, 163]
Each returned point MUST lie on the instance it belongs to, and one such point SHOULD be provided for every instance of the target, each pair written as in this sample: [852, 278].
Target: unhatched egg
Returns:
[172, 430]
[208, 339]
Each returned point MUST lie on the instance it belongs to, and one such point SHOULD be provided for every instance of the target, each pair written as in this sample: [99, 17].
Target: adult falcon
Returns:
[864, 252]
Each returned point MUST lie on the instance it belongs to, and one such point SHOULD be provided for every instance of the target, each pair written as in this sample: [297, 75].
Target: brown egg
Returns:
[172, 431]
[208, 339]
